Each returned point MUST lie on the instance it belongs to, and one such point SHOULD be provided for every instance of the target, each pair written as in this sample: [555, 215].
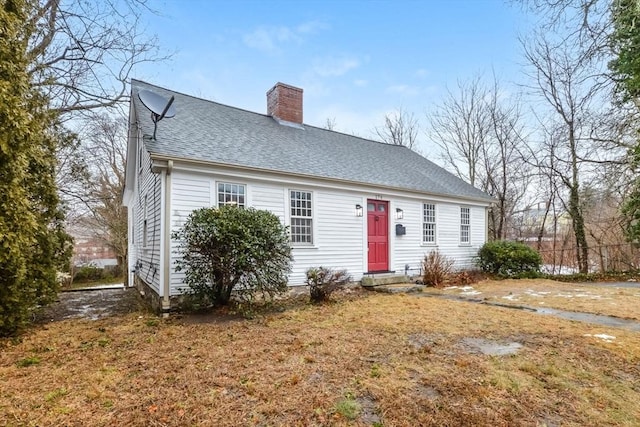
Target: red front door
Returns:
[378, 235]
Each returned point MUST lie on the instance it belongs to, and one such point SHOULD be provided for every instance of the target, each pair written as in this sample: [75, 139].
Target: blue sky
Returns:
[355, 60]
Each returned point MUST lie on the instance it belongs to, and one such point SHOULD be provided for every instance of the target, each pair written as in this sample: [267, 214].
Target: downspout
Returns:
[166, 299]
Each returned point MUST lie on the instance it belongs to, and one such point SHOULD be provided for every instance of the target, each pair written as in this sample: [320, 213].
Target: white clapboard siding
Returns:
[409, 249]
[268, 197]
[338, 242]
[147, 258]
[189, 192]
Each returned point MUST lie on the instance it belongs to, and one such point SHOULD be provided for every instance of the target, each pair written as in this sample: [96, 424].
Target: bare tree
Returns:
[81, 53]
[330, 123]
[481, 135]
[100, 175]
[459, 126]
[567, 81]
[400, 128]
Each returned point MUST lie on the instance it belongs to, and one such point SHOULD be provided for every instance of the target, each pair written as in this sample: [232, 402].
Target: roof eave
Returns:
[158, 157]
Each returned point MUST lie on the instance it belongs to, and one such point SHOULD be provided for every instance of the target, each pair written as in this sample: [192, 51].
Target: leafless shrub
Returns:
[436, 269]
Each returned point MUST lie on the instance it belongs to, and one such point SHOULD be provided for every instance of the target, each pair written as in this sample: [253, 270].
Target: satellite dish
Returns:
[159, 107]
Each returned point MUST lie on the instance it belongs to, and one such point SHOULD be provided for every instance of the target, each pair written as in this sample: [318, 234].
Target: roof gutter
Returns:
[161, 158]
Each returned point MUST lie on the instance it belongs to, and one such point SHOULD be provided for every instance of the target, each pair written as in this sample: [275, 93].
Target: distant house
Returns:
[88, 248]
[351, 203]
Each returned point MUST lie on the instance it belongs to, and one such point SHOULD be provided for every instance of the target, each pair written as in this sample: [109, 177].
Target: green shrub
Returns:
[232, 249]
[436, 269]
[89, 273]
[509, 259]
[324, 281]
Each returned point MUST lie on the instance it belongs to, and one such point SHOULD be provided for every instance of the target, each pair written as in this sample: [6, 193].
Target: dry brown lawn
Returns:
[598, 299]
[367, 359]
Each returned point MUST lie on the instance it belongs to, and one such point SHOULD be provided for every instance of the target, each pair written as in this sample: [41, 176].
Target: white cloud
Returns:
[359, 123]
[402, 89]
[421, 73]
[361, 82]
[334, 66]
[270, 39]
[311, 27]
[409, 90]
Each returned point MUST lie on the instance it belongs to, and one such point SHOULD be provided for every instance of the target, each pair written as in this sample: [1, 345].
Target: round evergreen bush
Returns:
[232, 249]
[509, 259]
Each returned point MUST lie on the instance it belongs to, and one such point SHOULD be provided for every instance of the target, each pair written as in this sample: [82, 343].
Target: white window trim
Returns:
[145, 223]
[435, 223]
[140, 151]
[314, 234]
[467, 243]
[216, 203]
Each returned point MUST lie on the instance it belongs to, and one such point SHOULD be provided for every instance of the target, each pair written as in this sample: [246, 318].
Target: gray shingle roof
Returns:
[209, 131]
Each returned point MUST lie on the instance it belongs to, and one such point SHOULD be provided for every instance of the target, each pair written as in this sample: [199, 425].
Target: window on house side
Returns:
[145, 229]
[231, 194]
[428, 223]
[140, 151]
[301, 217]
[465, 226]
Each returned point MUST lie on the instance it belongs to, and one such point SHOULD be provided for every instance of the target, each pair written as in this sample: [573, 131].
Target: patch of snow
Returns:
[549, 268]
[603, 337]
[466, 288]
[470, 293]
[565, 295]
[511, 297]
[450, 287]
[533, 293]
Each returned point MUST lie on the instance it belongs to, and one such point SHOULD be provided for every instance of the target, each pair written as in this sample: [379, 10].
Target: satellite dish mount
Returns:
[159, 107]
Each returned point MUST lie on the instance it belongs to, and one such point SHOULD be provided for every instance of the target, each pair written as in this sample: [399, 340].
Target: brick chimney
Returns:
[285, 103]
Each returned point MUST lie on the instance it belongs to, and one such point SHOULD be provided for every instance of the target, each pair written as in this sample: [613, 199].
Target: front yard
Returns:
[620, 300]
[367, 359]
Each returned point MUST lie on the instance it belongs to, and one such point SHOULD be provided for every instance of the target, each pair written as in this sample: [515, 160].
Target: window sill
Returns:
[299, 246]
[465, 245]
[429, 245]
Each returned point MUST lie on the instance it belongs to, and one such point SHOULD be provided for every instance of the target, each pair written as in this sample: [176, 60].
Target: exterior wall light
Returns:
[399, 213]
[358, 210]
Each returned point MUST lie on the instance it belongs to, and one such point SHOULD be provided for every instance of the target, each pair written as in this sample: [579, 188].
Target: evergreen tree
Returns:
[626, 73]
[33, 244]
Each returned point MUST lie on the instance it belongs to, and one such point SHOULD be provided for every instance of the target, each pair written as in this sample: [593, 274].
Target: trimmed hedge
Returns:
[509, 259]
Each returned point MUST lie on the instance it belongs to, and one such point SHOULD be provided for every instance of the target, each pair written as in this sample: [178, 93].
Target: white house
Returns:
[351, 203]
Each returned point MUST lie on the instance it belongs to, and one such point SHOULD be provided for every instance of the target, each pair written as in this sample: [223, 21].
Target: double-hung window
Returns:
[465, 226]
[231, 194]
[301, 211]
[428, 223]
[145, 224]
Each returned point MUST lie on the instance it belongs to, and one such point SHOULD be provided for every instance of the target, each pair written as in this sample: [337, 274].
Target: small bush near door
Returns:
[436, 269]
[324, 281]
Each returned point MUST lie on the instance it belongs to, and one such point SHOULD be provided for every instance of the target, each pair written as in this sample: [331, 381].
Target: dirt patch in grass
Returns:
[604, 299]
[396, 360]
